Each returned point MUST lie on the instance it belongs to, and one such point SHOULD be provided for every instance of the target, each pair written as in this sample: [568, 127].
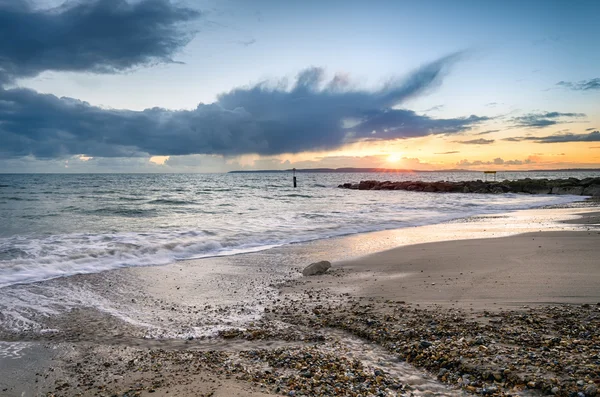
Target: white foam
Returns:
[41, 258]
[13, 350]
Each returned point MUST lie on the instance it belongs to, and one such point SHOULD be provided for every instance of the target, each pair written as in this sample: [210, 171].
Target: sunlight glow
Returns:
[159, 160]
[394, 157]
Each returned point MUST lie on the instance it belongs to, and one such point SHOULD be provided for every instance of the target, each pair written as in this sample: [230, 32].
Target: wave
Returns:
[298, 195]
[26, 259]
[104, 191]
[313, 216]
[167, 201]
[131, 198]
[16, 198]
[120, 211]
[38, 216]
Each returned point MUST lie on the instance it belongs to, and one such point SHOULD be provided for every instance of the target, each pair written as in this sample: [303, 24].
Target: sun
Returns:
[394, 157]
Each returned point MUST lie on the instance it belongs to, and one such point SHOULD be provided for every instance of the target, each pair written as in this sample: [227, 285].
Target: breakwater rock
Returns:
[579, 187]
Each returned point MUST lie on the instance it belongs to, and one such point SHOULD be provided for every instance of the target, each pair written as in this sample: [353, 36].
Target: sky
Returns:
[215, 86]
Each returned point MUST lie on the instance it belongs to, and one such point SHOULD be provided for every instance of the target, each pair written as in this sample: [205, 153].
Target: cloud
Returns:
[100, 36]
[247, 43]
[590, 129]
[479, 141]
[583, 85]
[545, 119]
[546, 40]
[496, 161]
[593, 136]
[267, 119]
[76, 163]
[452, 152]
[486, 132]
[434, 108]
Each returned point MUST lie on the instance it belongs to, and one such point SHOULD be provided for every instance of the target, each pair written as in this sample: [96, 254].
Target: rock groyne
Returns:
[574, 186]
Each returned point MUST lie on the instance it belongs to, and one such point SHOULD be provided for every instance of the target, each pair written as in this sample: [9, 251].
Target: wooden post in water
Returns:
[294, 173]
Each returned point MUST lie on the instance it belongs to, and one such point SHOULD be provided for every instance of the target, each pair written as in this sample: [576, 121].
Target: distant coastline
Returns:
[395, 170]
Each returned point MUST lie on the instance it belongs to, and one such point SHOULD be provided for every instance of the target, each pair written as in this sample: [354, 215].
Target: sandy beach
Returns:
[532, 268]
[492, 305]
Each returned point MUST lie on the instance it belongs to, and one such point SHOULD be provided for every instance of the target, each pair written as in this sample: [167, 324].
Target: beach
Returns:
[492, 304]
[213, 199]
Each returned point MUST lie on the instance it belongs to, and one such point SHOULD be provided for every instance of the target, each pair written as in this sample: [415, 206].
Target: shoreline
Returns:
[81, 360]
[82, 265]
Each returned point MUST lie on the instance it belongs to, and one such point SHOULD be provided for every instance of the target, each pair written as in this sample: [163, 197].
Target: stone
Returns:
[592, 190]
[574, 190]
[590, 390]
[572, 186]
[367, 185]
[316, 268]
[536, 187]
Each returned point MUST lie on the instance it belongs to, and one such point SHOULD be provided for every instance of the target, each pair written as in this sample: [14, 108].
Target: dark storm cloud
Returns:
[479, 141]
[593, 136]
[267, 119]
[100, 36]
[583, 85]
[541, 120]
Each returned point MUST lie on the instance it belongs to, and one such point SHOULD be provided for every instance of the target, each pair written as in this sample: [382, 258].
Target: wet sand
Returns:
[148, 337]
[530, 268]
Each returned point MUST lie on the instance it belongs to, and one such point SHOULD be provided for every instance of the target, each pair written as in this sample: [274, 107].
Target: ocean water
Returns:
[55, 225]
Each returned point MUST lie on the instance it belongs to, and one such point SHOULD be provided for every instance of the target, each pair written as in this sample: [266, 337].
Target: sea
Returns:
[58, 225]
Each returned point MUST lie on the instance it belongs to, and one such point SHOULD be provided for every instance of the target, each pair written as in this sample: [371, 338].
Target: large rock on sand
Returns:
[316, 268]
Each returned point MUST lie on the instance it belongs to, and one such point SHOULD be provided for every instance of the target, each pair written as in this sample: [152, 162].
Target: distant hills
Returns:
[338, 170]
[394, 170]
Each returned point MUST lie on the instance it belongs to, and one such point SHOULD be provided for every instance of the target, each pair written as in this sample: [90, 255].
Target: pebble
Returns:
[553, 349]
[542, 348]
[590, 390]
